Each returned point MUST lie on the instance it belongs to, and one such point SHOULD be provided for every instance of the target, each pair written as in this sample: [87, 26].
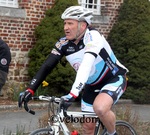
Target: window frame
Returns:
[95, 6]
[9, 3]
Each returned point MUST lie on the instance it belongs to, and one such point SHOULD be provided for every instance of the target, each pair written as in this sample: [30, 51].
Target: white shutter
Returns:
[9, 3]
[93, 5]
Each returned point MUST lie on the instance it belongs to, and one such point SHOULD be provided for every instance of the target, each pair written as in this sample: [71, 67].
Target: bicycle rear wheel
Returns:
[122, 128]
[42, 131]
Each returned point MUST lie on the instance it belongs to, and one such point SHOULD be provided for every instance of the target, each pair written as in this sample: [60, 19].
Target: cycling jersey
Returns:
[92, 58]
[5, 56]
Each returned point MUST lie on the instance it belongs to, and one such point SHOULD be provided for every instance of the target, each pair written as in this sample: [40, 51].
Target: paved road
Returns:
[143, 111]
[10, 120]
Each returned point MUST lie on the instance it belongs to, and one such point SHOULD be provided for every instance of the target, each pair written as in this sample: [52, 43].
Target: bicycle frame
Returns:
[62, 115]
[60, 120]
[58, 123]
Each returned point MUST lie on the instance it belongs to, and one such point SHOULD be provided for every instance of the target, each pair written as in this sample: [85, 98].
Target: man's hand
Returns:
[69, 98]
[25, 97]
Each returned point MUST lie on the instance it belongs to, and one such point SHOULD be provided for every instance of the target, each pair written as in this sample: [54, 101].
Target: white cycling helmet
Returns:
[77, 13]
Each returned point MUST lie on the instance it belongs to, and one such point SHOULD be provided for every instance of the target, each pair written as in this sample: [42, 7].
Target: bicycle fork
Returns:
[97, 127]
[59, 125]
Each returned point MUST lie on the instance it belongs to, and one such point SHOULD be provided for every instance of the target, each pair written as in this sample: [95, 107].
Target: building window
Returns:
[9, 3]
[93, 5]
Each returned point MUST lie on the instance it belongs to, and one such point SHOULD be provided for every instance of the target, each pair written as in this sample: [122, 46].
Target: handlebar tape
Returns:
[27, 108]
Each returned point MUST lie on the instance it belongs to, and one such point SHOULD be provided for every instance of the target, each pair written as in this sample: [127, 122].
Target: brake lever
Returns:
[64, 105]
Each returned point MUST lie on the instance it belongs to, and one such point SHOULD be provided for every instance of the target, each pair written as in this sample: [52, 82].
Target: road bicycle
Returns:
[61, 116]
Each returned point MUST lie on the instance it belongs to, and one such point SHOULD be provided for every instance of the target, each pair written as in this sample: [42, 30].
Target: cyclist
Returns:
[99, 72]
[5, 59]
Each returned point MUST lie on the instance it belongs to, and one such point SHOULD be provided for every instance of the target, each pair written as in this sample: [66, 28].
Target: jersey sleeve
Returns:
[52, 60]
[93, 44]
[44, 70]
[82, 74]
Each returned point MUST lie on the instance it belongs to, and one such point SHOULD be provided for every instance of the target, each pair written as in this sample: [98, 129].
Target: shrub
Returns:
[130, 41]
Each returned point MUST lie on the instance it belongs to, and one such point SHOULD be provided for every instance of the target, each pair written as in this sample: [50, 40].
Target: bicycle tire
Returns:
[42, 131]
[122, 128]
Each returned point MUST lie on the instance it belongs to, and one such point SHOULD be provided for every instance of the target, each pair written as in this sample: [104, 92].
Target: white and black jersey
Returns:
[92, 58]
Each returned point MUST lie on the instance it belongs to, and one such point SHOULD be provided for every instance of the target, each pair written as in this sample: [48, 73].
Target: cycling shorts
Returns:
[115, 87]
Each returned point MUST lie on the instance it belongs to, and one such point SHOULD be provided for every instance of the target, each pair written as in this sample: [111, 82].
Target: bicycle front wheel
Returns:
[42, 131]
[123, 128]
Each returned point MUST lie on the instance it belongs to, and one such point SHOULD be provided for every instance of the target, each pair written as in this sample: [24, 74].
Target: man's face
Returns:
[71, 28]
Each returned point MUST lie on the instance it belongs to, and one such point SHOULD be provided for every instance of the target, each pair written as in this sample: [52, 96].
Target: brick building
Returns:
[17, 29]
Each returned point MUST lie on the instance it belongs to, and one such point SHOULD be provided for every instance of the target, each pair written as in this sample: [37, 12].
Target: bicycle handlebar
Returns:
[47, 98]
[27, 108]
